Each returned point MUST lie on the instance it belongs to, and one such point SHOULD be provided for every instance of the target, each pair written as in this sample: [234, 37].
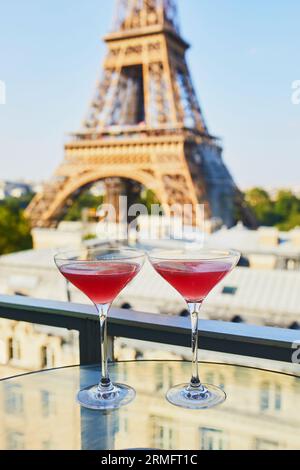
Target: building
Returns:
[25, 347]
[265, 248]
[15, 189]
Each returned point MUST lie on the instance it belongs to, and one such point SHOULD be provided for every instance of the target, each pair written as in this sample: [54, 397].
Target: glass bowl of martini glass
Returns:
[101, 274]
[194, 273]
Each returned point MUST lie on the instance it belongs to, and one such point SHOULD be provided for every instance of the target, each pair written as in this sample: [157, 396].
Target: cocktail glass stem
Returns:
[105, 382]
[195, 384]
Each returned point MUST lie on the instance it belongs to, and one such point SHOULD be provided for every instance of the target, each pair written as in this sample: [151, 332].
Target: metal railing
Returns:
[240, 339]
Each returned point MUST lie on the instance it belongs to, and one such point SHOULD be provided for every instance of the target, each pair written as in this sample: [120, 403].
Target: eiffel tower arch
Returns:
[144, 124]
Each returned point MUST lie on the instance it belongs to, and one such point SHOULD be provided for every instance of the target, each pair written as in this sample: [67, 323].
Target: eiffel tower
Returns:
[144, 126]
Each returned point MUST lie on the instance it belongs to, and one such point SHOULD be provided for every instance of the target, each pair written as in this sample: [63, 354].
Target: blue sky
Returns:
[244, 58]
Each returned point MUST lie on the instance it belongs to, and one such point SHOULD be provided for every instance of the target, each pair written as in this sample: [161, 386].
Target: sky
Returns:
[244, 59]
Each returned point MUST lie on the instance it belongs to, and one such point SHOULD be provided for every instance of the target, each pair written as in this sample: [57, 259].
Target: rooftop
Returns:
[266, 292]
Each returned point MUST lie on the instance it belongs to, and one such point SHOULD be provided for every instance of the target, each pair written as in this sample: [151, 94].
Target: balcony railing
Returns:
[240, 339]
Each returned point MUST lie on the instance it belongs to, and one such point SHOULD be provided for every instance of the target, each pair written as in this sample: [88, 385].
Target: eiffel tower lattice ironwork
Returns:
[144, 125]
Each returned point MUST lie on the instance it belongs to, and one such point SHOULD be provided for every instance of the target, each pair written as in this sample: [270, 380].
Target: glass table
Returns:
[262, 410]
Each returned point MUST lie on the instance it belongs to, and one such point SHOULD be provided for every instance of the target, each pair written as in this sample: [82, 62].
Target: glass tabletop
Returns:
[262, 410]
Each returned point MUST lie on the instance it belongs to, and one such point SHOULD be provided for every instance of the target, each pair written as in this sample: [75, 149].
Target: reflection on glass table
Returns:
[262, 411]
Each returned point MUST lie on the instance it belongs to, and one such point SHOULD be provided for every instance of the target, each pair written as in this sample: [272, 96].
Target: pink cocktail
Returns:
[193, 279]
[101, 275]
[101, 282]
[194, 273]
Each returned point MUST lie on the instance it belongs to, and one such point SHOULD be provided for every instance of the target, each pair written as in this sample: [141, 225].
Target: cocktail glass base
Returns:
[98, 398]
[196, 398]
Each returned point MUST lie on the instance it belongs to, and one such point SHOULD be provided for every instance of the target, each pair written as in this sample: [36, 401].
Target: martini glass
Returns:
[194, 273]
[101, 274]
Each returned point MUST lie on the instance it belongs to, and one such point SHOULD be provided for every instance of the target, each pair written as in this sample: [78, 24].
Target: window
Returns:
[3, 352]
[277, 398]
[160, 377]
[164, 434]
[294, 326]
[126, 306]
[229, 290]
[184, 313]
[264, 397]
[215, 379]
[15, 440]
[10, 349]
[139, 355]
[13, 399]
[270, 397]
[14, 349]
[48, 403]
[212, 439]
[48, 357]
[164, 377]
[291, 265]
[237, 319]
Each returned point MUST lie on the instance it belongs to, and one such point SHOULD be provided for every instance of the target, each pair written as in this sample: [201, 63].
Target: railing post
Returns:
[89, 344]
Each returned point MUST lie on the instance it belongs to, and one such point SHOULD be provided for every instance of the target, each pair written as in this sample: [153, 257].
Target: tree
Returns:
[14, 230]
[292, 222]
[282, 212]
[286, 205]
[257, 196]
[262, 206]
